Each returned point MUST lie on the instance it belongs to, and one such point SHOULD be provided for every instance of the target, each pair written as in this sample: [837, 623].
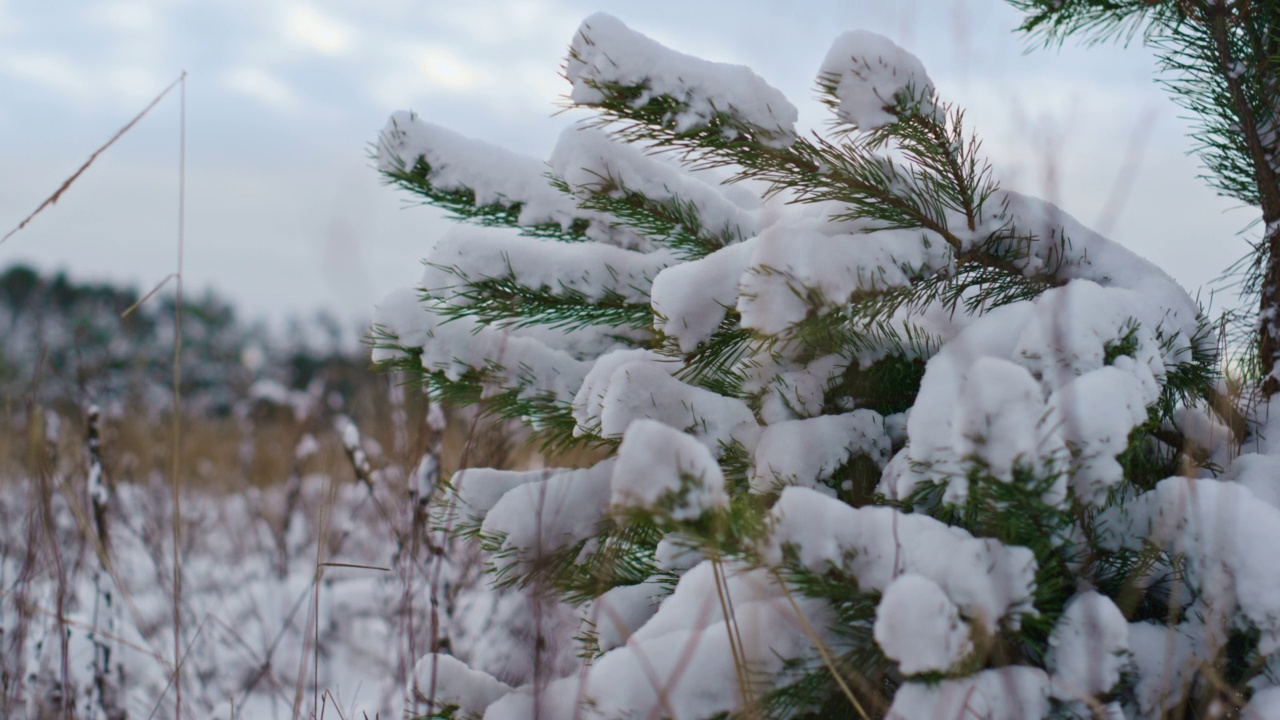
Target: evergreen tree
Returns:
[880, 438]
[1221, 60]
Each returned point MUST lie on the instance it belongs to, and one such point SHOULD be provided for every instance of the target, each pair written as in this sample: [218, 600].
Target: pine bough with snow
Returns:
[880, 438]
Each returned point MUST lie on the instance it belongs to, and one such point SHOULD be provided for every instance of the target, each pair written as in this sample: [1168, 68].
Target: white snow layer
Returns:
[666, 472]
[874, 80]
[1227, 538]
[989, 582]
[795, 265]
[606, 52]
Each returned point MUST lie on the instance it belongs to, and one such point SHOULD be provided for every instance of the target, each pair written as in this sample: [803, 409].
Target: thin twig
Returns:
[57, 194]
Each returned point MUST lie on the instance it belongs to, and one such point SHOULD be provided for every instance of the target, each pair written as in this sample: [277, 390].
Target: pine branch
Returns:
[504, 302]
[461, 204]
[671, 222]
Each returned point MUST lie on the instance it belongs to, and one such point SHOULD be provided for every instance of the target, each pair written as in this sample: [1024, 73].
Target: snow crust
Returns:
[606, 52]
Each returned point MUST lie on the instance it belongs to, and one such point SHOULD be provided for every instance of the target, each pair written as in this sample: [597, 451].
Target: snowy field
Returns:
[306, 598]
[259, 635]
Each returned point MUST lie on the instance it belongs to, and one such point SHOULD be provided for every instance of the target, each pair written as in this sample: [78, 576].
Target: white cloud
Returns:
[263, 87]
[135, 17]
[311, 28]
[442, 68]
[53, 71]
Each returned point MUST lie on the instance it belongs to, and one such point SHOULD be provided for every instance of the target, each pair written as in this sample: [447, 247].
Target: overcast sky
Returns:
[285, 215]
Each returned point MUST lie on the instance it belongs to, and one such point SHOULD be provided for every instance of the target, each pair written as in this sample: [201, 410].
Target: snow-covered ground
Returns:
[274, 622]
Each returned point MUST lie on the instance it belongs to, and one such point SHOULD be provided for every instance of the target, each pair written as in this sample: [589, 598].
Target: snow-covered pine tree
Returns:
[1218, 59]
[881, 438]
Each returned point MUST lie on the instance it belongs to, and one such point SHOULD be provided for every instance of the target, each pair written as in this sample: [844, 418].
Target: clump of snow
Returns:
[873, 80]
[494, 174]
[591, 270]
[606, 52]
[1088, 648]
[918, 626]
[1227, 539]
[541, 517]
[1009, 693]
[588, 402]
[807, 452]
[666, 472]
[619, 613]
[829, 268]
[997, 416]
[474, 491]
[988, 581]
[1095, 414]
[589, 160]
[443, 681]
[690, 299]
[1056, 383]
[640, 390]
[680, 663]
[1165, 660]
[1264, 704]
[463, 346]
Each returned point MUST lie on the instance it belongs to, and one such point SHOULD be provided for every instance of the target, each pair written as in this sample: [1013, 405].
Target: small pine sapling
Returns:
[880, 437]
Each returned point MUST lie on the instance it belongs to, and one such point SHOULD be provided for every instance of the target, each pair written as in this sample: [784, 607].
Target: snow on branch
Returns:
[688, 94]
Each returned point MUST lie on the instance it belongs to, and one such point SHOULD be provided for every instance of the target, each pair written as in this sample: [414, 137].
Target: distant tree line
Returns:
[71, 343]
